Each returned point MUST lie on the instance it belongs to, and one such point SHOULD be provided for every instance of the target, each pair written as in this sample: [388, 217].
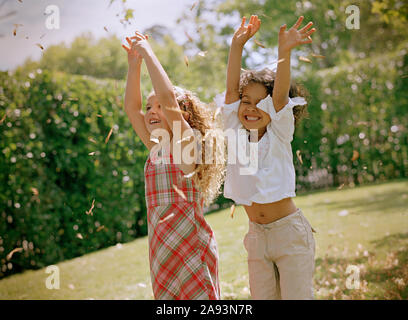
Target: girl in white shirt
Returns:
[279, 242]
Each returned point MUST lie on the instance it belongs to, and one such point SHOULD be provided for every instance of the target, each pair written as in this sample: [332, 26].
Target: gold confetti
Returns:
[35, 191]
[4, 118]
[91, 153]
[341, 186]
[186, 60]
[10, 255]
[314, 55]
[171, 215]
[91, 139]
[192, 7]
[79, 236]
[90, 210]
[40, 46]
[304, 59]
[188, 36]
[364, 123]
[299, 156]
[99, 116]
[180, 193]
[106, 29]
[259, 44]
[154, 139]
[16, 25]
[100, 228]
[109, 134]
[232, 211]
[313, 230]
[355, 155]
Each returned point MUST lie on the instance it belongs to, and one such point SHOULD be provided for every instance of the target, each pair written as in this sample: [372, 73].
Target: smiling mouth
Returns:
[153, 121]
[252, 119]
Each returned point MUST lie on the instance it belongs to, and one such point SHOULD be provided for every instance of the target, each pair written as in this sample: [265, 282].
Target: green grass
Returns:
[373, 235]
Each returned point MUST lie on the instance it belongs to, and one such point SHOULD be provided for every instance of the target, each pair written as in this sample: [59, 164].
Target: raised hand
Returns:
[294, 37]
[244, 33]
[134, 55]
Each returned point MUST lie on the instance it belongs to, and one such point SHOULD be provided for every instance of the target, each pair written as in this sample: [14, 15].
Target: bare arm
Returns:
[241, 36]
[133, 96]
[287, 41]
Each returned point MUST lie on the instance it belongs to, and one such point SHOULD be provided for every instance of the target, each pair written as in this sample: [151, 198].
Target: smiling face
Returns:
[154, 117]
[250, 116]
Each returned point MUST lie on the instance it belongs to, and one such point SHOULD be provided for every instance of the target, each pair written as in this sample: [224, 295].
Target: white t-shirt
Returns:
[272, 178]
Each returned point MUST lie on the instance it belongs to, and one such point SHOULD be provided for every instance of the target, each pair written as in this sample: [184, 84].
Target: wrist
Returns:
[236, 45]
[284, 53]
[135, 65]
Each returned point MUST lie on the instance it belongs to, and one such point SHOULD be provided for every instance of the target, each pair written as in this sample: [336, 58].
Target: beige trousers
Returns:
[281, 258]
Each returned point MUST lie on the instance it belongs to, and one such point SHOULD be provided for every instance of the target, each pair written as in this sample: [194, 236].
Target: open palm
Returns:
[133, 55]
[294, 37]
[244, 33]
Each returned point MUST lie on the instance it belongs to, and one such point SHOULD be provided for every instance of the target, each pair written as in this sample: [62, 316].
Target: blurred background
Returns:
[72, 167]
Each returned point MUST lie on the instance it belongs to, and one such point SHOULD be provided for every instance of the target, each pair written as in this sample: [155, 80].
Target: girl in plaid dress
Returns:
[182, 248]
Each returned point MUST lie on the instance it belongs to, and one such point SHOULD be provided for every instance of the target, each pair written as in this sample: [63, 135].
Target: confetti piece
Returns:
[189, 175]
[299, 156]
[313, 230]
[100, 228]
[180, 193]
[155, 140]
[99, 116]
[341, 186]
[185, 139]
[171, 215]
[109, 134]
[10, 255]
[364, 123]
[35, 191]
[71, 286]
[318, 56]
[106, 29]
[188, 36]
[119, 246]
[90, 210]
[259, 44]
[202, 53]
[192, 7]
[232, 211]
[304, 59]
[343, 213]
[40, 46]
[217, 112]
[91, 153]
[91, 139]
[186, 60]
[79, 236]
[355, 155]
[16, 26]
[42, 36]
[4, 118]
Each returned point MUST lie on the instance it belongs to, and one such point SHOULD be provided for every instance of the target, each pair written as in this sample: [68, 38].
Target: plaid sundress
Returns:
[182, 248]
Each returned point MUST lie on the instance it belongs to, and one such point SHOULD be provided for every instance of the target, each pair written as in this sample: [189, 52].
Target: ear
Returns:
[186, 115]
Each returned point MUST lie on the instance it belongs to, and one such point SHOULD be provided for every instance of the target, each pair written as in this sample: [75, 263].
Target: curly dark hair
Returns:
[267, 78]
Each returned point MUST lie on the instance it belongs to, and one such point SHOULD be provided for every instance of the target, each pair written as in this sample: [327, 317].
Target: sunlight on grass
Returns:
[365, 226]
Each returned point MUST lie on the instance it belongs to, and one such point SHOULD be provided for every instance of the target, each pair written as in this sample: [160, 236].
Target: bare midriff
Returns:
[263, 213]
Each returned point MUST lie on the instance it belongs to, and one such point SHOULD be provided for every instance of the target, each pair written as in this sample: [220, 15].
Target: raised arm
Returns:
[287, 41]
[241, 36]
[133, 95]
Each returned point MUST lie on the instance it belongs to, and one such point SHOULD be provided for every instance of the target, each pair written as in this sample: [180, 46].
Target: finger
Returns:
[298, 22]
[304, 29]
[137, 38]
[282, 29]
[126, 48]
[311, 31]
[249, 29]
[243, 22]
[309, 40]
[251, 20]
[146, 36]
[140, 34]
[129, 41]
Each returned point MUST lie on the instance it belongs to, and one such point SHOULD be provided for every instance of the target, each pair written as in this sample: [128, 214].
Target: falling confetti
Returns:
[40, 46]
[343, 213]
[192, 7]
[4, 118]
[91, 139]
[355, 155]
[341, 186]
[91, 153]
[109, 134]
[171, 215]
[106, 29]
[71, 286]
[180, 193]
[202, 53]
[186, 60]
[318, 56]
[259, 44]
[10, 255]
[16, 26]
[304, 59]
[100, 228]
[188, 36]
[217, 112]
[90, 210]
[313, 230]
[232, 211]
[35, 191]
[299, 156]
[79, 236]
[99, 115]
[189, 175]
[42, 36]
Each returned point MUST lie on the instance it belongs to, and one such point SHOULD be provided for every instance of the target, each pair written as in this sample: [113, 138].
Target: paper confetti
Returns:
[317, 56]
[232, 211]
[181, 194]
[259, 44]
[89, 212]
[109, 134]
[171, 215]
[10, 255]
[40, 46]
[299, 156]
[355, 155]
[304, 59]
[186, 60]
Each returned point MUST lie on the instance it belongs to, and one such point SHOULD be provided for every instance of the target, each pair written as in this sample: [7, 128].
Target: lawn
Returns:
[363, 226]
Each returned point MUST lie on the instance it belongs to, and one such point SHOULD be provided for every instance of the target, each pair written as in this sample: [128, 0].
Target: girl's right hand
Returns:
[134, 56]
[244, 33]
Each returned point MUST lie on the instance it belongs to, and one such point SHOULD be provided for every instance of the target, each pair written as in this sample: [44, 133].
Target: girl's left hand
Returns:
[294, 37]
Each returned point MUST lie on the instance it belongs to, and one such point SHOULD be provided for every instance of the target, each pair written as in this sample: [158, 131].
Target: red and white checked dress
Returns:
[182, 248]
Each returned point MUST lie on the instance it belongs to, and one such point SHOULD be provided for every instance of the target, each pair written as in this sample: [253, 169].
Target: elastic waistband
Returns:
[280, 222]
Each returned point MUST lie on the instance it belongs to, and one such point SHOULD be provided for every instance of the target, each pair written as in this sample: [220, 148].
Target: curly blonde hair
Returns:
[267, 78]
[208, 177]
